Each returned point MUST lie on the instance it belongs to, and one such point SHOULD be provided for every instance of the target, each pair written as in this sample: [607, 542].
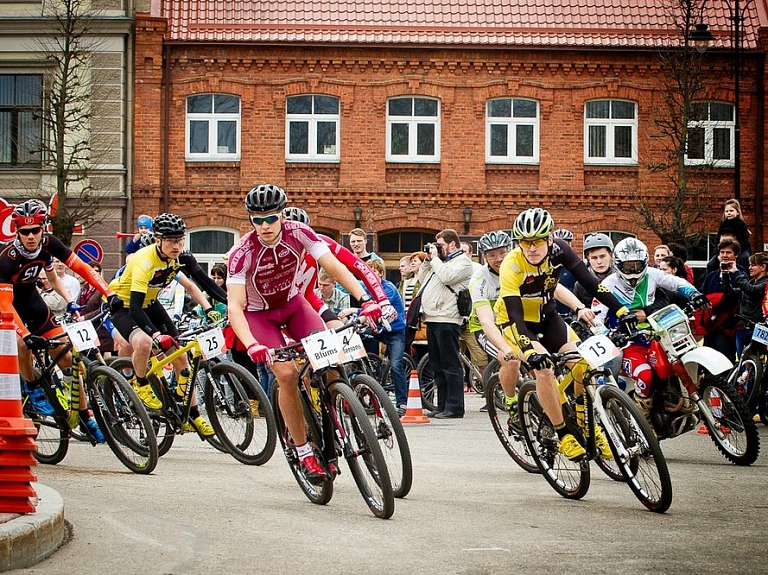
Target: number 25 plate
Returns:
[211, 343]
[598, 350]
[760, 334]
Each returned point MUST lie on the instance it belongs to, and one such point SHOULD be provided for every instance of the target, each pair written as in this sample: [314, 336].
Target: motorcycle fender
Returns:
[710, 359]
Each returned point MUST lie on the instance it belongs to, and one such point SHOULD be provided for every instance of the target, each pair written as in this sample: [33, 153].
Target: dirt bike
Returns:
[690, 387]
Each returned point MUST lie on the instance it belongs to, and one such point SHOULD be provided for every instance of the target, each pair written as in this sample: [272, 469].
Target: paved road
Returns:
[471, 510]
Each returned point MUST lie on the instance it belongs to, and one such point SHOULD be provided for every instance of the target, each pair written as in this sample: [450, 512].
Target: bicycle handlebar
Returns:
[296, 350]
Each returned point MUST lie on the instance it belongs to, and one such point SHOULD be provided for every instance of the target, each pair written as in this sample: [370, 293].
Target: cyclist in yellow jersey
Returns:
[144, 322]
[526, 308]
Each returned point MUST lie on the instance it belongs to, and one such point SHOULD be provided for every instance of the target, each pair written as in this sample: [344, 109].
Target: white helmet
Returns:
[631, 259]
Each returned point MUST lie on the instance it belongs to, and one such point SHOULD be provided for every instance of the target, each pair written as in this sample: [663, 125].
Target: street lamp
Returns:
[701, 37]
[467, 219]
[358, 213]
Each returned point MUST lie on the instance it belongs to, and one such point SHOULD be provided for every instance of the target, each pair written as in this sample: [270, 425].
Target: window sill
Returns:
[312, 165]
[511, 168]
[208, 164]
[607, 168]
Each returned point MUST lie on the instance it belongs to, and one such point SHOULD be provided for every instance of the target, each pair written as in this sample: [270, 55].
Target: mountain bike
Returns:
[747, 378]
[635, 448]
[472, 377]
[337, 425]
[247, 432]
[118, 411]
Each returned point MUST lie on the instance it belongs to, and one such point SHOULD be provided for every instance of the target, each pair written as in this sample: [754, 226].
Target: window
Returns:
[213, 127]
[21, 128]
[413, 130]
[209, 245]
[512, 131]
[610, 128]
[312, 128]
[711, 130]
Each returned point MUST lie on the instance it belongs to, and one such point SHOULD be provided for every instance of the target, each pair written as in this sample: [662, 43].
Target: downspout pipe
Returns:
[166, 126]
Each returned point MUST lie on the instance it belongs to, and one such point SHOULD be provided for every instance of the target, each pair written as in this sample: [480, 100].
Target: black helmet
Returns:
[492, 240]
[265, 198]
[169, 226]
[295, 214]
[146, 239]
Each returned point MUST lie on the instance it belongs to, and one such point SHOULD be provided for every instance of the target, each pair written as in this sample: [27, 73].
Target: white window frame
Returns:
[313, 119]
[709, 147]
[206, 258]
[213, 118]
[413, 122]
[610, 125]
[512, 123]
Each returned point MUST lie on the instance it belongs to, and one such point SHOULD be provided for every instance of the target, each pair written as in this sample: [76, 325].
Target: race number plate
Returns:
[598, 350]
[760, 335]
[82, 334]
[211, 343]
[352, 345]
[324, 349]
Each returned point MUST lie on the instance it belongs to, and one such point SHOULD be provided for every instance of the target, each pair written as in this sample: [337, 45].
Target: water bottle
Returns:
[600, 380]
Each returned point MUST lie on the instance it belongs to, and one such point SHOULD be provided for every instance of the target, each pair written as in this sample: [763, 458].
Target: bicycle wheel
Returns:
[386, 376]
[427, 384]
[371, 474]
[748, 379]
[506, 424]
[569, 478]
[52, 441]
[389, 431]
[319, 494]
[472, 375]
[490, 369]
[740, 441]
[250, 437]
[643, 466]
[123, 420]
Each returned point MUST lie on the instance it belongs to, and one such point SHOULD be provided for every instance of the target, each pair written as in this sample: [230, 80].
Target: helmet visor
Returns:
[634, 267]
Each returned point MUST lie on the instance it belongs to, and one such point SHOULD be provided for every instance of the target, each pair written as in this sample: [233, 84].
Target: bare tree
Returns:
[674, 213]
[69, 140]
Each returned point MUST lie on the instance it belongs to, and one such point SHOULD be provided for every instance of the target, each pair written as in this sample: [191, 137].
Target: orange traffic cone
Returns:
[714, 402]
[16, 432]
[413, 411]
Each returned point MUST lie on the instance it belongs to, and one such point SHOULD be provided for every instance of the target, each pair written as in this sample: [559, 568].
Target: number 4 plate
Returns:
[598, 350]
[82, 334]
[211, 343]
[760, 334]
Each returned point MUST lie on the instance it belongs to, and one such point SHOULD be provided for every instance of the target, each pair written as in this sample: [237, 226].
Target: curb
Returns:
[28, 539]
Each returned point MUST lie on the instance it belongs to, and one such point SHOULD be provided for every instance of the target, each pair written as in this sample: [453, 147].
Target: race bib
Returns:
[324, 349]
[352, 345]
[82, 334]
[598, 350]
[211, 343]
[760, 334]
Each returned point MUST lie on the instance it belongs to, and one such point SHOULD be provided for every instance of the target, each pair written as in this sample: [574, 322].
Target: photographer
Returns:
[446, 268]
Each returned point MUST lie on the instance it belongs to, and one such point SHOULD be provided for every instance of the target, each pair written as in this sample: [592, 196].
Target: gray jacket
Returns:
[438, 302]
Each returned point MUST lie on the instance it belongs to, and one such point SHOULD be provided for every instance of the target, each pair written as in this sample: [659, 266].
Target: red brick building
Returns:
[402, 120]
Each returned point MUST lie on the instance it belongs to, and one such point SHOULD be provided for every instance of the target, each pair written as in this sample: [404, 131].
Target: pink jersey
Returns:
[270, 274]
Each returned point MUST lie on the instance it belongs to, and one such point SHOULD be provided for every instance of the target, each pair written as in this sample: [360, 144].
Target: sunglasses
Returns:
[527, 244]
[259, 220]
[30, 231]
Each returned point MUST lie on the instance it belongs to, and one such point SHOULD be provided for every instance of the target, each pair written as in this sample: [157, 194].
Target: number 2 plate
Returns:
[598, 350]
[211, 343]
[82, 334]
[760, 334]
[324, 349]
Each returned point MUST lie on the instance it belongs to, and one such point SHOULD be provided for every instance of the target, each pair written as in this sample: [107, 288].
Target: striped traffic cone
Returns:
[16, 432]
[414, 412]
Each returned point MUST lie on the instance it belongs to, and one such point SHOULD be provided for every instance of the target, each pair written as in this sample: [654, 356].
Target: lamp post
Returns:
[467, 213]
[358, 213]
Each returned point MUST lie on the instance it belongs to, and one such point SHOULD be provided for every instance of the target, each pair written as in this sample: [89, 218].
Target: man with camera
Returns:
[444, 273]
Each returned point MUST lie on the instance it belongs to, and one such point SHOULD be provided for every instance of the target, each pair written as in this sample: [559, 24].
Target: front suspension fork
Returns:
[693, 393]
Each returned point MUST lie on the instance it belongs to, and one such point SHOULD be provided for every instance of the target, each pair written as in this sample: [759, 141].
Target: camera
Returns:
[428, 247]
[725, 266]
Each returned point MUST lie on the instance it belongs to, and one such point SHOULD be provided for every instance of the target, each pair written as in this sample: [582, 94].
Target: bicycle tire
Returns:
[164, 432]
[319, 494]
[645, 468]
[371, 475]
[747, 379]
[492, 368]
[123, 420]
[427, 384]
[568, 478]
[250, 440]
[385, 379]
[52, 441]
[389, 431]
[507, 426]
[741, 442]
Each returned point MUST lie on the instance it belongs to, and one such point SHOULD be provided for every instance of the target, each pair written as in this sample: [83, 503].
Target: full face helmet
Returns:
[169, 226]
[533, 223]
[631, 259]
[295, 214]
[493, 240]
[29, 213]
[265, 198]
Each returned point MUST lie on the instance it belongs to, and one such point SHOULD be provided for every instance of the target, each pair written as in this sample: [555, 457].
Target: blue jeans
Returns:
[743, 337]
[395, 342]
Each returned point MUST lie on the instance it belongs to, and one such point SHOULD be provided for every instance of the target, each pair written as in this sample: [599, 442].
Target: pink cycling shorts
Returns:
[296, 317]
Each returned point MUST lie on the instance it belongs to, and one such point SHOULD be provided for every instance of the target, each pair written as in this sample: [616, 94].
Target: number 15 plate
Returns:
[598, 350]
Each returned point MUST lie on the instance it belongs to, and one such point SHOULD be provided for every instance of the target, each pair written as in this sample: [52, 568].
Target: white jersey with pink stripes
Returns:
[270, 272]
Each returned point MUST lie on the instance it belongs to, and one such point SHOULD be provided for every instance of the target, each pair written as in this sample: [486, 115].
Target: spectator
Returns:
[420, 339]
[598, 253]
[144, 225]
[333, 297]
[89, 301]
[466, 247]
[219, 277]
[54, 300]
[733, 223]
[751, 293]
[70, 282]
[446, 266]
[673, 266]
[357, 243]
[408, 282]
[681, 253]
[659, 252]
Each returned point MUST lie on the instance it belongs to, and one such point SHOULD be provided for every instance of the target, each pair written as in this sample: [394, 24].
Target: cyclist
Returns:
[598, 255]
[145, 323]
[264, 299]
[635, 284]
[526, 307]
[21, 262]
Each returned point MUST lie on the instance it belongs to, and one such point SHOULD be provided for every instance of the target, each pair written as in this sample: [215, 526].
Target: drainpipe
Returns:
[129, 101]
[760, 156]
[166, 125]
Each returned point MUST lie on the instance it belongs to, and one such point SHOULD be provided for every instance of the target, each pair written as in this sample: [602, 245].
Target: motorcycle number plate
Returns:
[760, 334]
[598, 350]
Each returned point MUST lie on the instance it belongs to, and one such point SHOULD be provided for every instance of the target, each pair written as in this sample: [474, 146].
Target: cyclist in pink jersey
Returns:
[307, 279]
[264, 299]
